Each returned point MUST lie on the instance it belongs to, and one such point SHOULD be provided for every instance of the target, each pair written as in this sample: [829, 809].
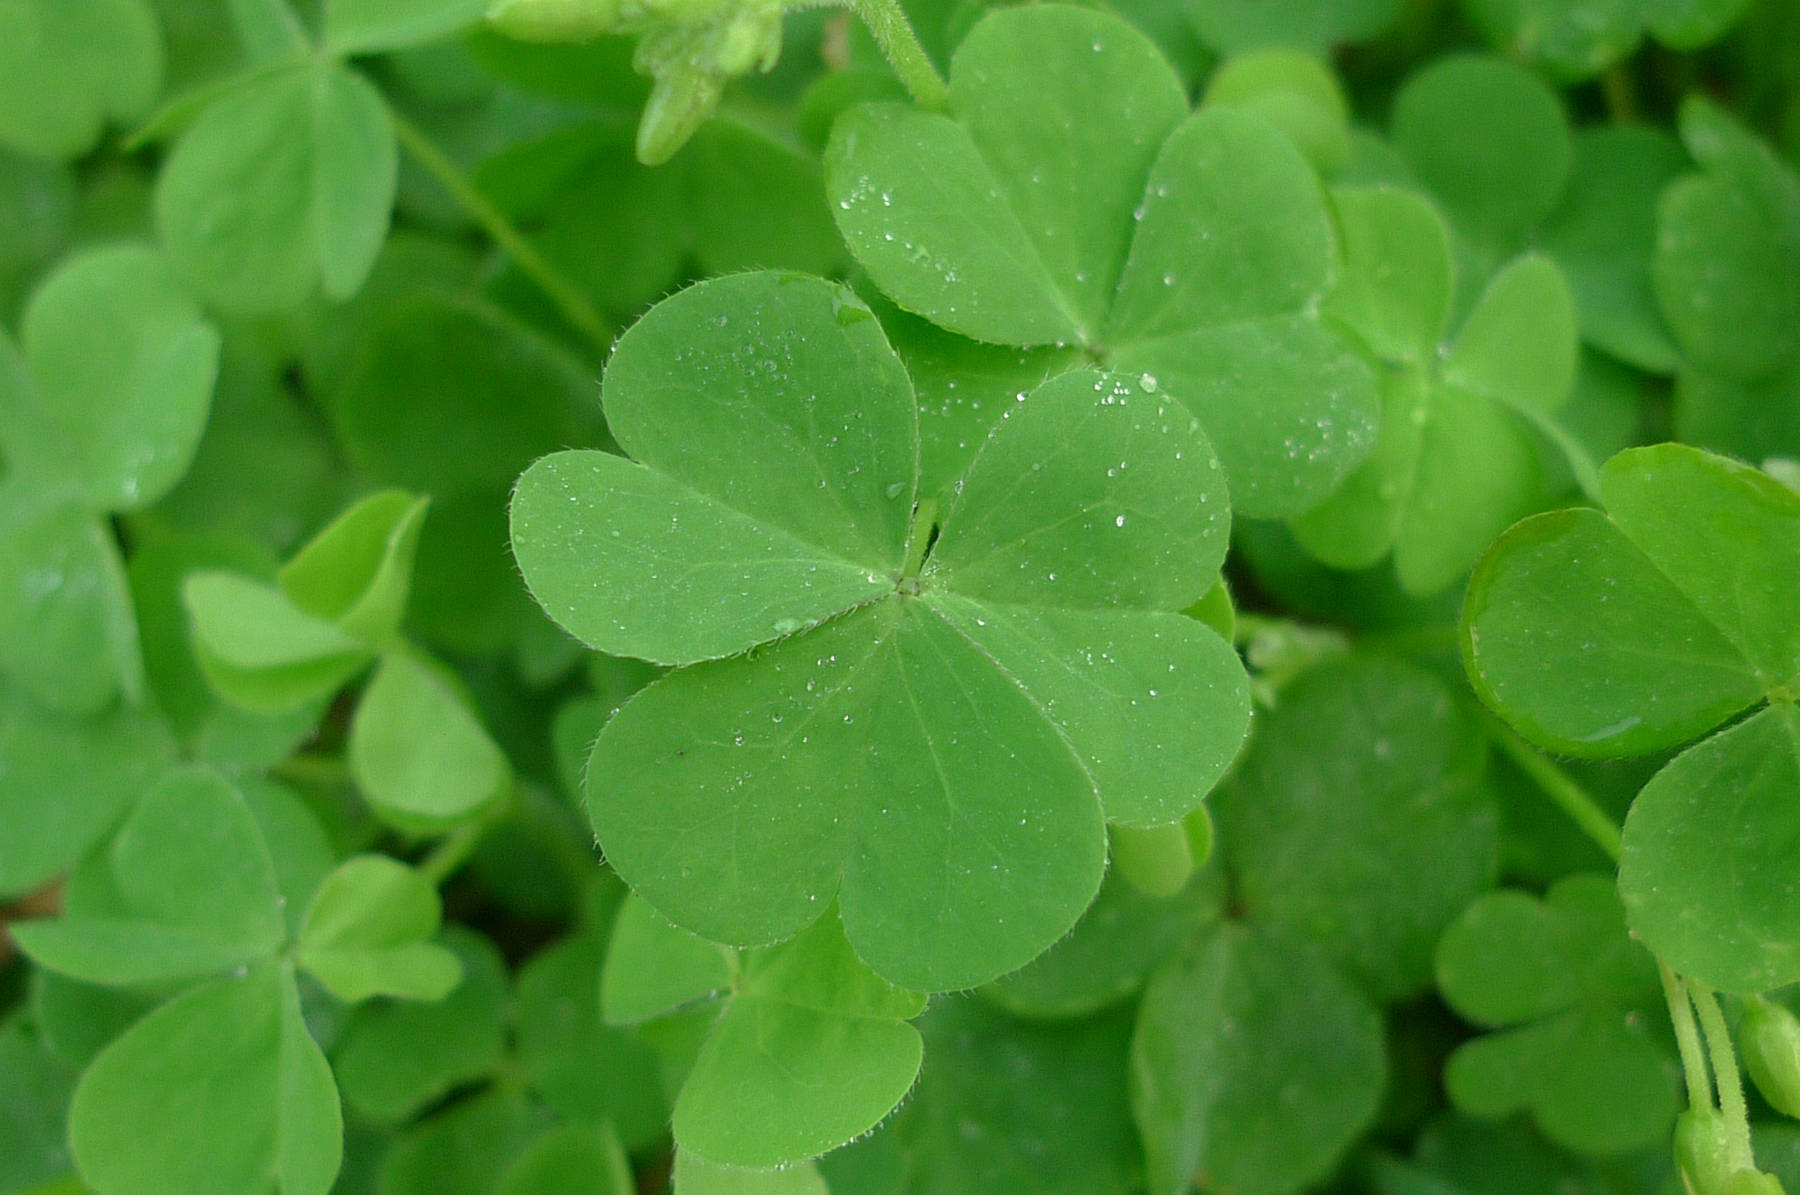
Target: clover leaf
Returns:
[1574, 39]
[1727, 254]
[394, 1058]
[65, 783]
[366, 933]
[563, 1043]
[808, 1049]
[1004, 1105]
[417, 749]
[1456, 461]
[1574, 1000]
[281, 186]
[1360, 818]
[940, 708]
[100, 413]
[1670, 613]
[1254, 1063]
[1193, 250]
[68, 70]
[1232, 26]
[1492, 144]
[220, 1090]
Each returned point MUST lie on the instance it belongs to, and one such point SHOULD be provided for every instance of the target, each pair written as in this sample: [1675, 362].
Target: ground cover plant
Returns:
[882, 598]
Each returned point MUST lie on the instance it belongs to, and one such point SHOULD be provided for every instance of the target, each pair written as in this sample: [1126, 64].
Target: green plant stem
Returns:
[450, 854]
[1558, 785]
[1687, 1038]
[886, 20]
[1725, 1074]
[327, 770]
[568, 299]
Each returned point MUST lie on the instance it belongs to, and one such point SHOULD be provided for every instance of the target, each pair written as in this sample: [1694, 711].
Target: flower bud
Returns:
[554, 20]
[1703, 1151]
[1770, 1041]
[679, 104]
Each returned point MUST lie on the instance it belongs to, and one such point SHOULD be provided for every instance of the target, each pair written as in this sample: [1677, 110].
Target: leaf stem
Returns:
[573, 305]
[886, 20]
[326, 770]
[1687, 1038]
[1558, 785]
[1725, 1074]
[450, 854]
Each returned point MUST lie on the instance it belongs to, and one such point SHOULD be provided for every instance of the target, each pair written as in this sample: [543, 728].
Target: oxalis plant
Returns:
[757, 598]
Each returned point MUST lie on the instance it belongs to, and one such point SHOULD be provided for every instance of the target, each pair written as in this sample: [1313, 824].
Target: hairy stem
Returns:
[569, 300]
[1558, 785]
[1725, 1074]
[1687, 1038]
[886, 20]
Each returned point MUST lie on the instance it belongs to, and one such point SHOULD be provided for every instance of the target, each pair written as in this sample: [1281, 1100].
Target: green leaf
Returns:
[1255, 1063]
[571, 1159]
[1123, 937]
[1156, 705]
[366, 933]
[69, 70]
[1010, 222]
[653, 968]
[282, 186]
[218, 1092]
[811, 1051]
[1004, 1105]
[1360, 819]
[501, 394]
[1190, 251]
[580, 1066]
[1518, 345]
[357, 572]
[1293, 91]
[460, 1150]
[696, 1176]
[1233, 26]
[1452, 466]
[68, 635]
[394, 1058]
[1677, 604]
[1570, 39]
[1489, 140]
[1092, 492]
[1708, 856]
[123, 365]
[1603, 235]
[261, 651]
[365, 26]
[417, 750]
[64, 783]
[1728, 248]
[962, 794]
[1569, 990]
[197, 887]
[35, 1087]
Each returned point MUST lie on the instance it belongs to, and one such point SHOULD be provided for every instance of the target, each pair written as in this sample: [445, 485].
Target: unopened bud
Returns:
[1703, 1151]
[1771, 1048]
[679, 104]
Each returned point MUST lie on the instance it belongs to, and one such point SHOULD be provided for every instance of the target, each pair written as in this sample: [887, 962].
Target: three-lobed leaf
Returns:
[1190, 249]
[994, 680]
